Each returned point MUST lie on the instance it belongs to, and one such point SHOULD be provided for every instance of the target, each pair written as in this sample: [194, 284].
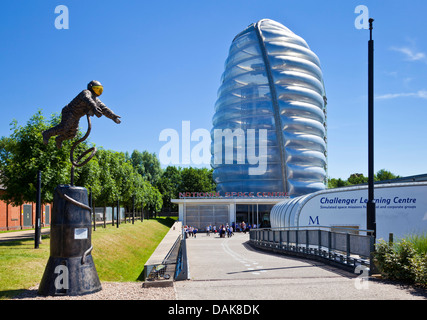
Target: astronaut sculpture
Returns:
[85, 103]
[70, 269]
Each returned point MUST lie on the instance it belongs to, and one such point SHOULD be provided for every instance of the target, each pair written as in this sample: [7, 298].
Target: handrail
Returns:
[178, 239]
[181, 270]
[163, 270]
[344, 249]
[368, 232]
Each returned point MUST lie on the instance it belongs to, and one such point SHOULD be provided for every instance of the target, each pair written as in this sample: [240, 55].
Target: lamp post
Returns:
[93, 211]
[370, 216]
[133, 209]
[118, 213]
[37, 235]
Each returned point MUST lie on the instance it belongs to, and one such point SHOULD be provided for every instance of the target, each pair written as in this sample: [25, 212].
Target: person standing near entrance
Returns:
[243, 226]
[229, 231]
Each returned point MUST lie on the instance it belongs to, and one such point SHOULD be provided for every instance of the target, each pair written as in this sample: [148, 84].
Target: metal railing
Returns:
[166, 269]
[344, 247]
[181, 270]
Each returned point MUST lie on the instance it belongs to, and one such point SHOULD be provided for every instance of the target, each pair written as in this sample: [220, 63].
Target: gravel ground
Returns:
[110, 291]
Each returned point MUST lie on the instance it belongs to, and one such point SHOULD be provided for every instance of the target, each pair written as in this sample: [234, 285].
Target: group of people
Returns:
[243, 227]
[222, 231]
[190, 231]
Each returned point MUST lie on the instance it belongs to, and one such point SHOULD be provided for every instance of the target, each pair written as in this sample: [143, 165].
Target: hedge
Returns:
[404, 260]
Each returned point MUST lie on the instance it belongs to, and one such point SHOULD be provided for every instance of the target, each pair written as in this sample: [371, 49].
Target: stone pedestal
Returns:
[70, 269]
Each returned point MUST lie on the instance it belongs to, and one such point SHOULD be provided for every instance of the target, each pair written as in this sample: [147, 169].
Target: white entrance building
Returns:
[200, 213]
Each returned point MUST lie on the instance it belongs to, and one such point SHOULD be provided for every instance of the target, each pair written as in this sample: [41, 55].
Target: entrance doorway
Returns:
[264, 215]
[254, 214]
[246, 213]
[28, 215]
[47, 214]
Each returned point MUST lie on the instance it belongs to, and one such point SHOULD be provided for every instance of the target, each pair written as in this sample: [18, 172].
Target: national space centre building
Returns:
[269, 129]
[269, 139]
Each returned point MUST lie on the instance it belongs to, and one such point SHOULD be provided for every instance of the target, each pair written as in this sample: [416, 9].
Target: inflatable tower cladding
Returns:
[272, 99]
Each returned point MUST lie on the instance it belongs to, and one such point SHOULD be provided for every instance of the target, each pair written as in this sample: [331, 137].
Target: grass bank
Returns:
[119, 254]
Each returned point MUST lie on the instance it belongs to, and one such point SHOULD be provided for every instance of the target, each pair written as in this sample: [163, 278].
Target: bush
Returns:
[419, 241]
[419, 266]
[402, 262]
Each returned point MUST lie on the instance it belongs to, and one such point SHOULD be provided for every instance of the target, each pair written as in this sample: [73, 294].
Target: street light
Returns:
[370, 216]
[37, 235]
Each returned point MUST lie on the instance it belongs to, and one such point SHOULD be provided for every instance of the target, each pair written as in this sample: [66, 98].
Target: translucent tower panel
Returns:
[269, 126]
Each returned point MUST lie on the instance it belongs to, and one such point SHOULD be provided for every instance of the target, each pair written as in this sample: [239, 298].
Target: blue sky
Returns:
[161, 61]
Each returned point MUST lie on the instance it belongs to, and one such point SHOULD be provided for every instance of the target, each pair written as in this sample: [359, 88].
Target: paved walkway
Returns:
[29, 233]
[20, 235]
[230, 269]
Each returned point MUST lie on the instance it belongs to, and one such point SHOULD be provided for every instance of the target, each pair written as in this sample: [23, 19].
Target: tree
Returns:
[357, 178]
[137, 161]
[107, 182]
[383, 175]
[337, 183]
[154, 201]
[109, 175]
[168, 186]
[120, 170]
[147, 165]
[88, 176]
[141, 189]
[196, 179]
[23, 154]
[121, 181]
[175, 180]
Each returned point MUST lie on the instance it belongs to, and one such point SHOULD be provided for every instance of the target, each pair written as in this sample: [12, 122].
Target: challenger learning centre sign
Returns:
[391, 203]
[400, 209]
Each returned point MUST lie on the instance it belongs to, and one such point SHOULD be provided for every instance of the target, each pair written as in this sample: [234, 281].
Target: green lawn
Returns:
[119, 254]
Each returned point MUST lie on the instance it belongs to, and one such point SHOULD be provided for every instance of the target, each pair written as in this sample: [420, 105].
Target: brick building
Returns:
[23, 216]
